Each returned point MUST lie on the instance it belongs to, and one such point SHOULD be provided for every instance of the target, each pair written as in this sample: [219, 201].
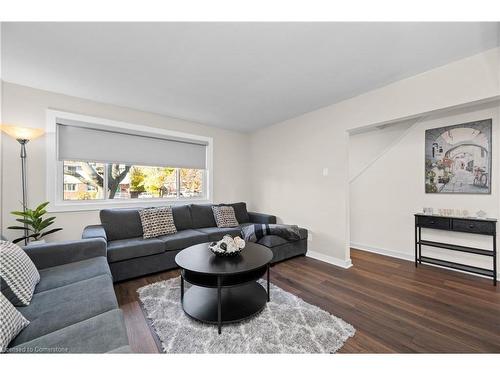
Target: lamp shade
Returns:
[18, 132]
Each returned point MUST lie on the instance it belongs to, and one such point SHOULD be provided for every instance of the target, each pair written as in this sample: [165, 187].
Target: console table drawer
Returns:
[469, 226]
[433, 222]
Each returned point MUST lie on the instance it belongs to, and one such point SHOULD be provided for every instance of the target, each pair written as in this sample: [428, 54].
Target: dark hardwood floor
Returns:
[393, 306]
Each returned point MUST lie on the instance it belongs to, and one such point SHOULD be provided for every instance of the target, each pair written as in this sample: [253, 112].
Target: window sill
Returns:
[99, 205]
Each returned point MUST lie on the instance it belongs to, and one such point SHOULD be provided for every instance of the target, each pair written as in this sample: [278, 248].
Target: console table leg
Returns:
[219, 305]
[419, 245]
[495, 259]
[416, 244]
[268, 289]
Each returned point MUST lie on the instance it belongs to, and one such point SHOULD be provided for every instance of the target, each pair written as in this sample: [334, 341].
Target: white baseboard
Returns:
[378, 250]
[328, 259]
[404, 256]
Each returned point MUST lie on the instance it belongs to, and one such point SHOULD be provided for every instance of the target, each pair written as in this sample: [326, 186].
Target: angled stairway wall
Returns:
[389, 188]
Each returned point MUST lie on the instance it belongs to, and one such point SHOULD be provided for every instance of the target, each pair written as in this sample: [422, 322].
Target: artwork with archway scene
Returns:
[458, 158]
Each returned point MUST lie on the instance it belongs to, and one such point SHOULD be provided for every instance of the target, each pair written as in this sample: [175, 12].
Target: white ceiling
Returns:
[239, 76]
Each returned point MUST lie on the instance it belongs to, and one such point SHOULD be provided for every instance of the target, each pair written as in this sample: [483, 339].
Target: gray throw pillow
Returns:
[11, 322]
[18, 274]
[157, 222]
[224, 216]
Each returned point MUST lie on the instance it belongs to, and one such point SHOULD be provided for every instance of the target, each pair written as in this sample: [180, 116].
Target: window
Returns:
[191, 183]
[118, 164]
[130, 182]
[86, 180]
[69, 187]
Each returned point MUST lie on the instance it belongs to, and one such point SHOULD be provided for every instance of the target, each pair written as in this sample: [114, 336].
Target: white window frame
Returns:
[55, 172]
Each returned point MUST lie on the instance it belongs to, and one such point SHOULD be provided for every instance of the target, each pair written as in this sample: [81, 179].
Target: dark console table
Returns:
[487, 227]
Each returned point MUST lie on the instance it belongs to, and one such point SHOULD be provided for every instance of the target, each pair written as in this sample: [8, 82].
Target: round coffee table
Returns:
[224, 289]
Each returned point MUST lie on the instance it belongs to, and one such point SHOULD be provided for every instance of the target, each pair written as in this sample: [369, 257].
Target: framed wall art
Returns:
[458, 158]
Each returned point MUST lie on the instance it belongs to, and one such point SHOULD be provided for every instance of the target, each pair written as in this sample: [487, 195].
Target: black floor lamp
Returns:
[23, 136]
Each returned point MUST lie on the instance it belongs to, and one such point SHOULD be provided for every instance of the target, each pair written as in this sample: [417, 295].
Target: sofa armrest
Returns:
[261, 218]
[94, 231]
[55, 254]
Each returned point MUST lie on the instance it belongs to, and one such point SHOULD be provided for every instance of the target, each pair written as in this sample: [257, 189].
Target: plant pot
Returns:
[39, 242]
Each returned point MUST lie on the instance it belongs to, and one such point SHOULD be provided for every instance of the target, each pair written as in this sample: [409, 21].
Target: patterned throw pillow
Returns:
[18, 274]
[225, 216]
[157, 222]
[11, 322]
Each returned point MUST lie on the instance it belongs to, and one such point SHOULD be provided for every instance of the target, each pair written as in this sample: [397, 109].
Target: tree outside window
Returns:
[131, 182]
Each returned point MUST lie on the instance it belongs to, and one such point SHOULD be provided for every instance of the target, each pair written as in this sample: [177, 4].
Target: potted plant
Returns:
[36, 224]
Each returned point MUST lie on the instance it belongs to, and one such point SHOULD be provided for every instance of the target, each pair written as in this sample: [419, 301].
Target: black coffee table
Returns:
[224, 289]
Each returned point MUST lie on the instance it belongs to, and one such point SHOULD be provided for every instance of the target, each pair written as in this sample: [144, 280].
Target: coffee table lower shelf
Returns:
[237, 303]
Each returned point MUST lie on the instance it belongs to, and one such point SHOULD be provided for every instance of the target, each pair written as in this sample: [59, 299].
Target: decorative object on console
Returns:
[18, 274]
[23, 136]
[458, 158]
[228, 246]
[481, 214]
[35, 223]
[157, 222]
[428, 210]
[224, 216]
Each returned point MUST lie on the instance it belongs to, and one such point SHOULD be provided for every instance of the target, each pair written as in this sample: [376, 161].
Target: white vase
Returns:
[39, 242]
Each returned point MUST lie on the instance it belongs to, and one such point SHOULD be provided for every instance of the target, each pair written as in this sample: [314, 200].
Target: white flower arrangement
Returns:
[228, 246]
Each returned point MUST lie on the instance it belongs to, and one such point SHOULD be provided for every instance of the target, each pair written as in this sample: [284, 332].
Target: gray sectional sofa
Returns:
[74, 308]
[129, 255]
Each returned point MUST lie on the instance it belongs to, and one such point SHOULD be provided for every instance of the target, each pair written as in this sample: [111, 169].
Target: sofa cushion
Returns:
[133, 248]
[57, 308]
[216, 234]
[240, 210]
[18, 274]
[99, 334]
[121, 223]
[202, 216]
[182, 217]
[272, 241]
[69, 273]
[157, 221]
[183, 239]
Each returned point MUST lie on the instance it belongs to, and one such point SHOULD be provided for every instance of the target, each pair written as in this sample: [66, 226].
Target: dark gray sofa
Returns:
[129, 255]
[74, 308]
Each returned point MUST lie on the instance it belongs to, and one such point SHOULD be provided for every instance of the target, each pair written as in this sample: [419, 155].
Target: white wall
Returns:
[26, 107]
[386, 195]
[288, 158]
[366, 147]
[283, 172]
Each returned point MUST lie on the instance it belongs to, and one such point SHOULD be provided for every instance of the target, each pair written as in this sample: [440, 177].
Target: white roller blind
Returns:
[112, 145]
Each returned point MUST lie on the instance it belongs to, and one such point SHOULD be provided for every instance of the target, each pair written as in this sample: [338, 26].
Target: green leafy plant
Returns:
[36, 224]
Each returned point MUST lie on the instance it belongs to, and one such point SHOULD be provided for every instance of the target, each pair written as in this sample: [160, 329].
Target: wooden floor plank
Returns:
[394, 307]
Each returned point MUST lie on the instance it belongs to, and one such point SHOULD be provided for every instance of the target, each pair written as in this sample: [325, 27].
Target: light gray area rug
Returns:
[286, 325]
